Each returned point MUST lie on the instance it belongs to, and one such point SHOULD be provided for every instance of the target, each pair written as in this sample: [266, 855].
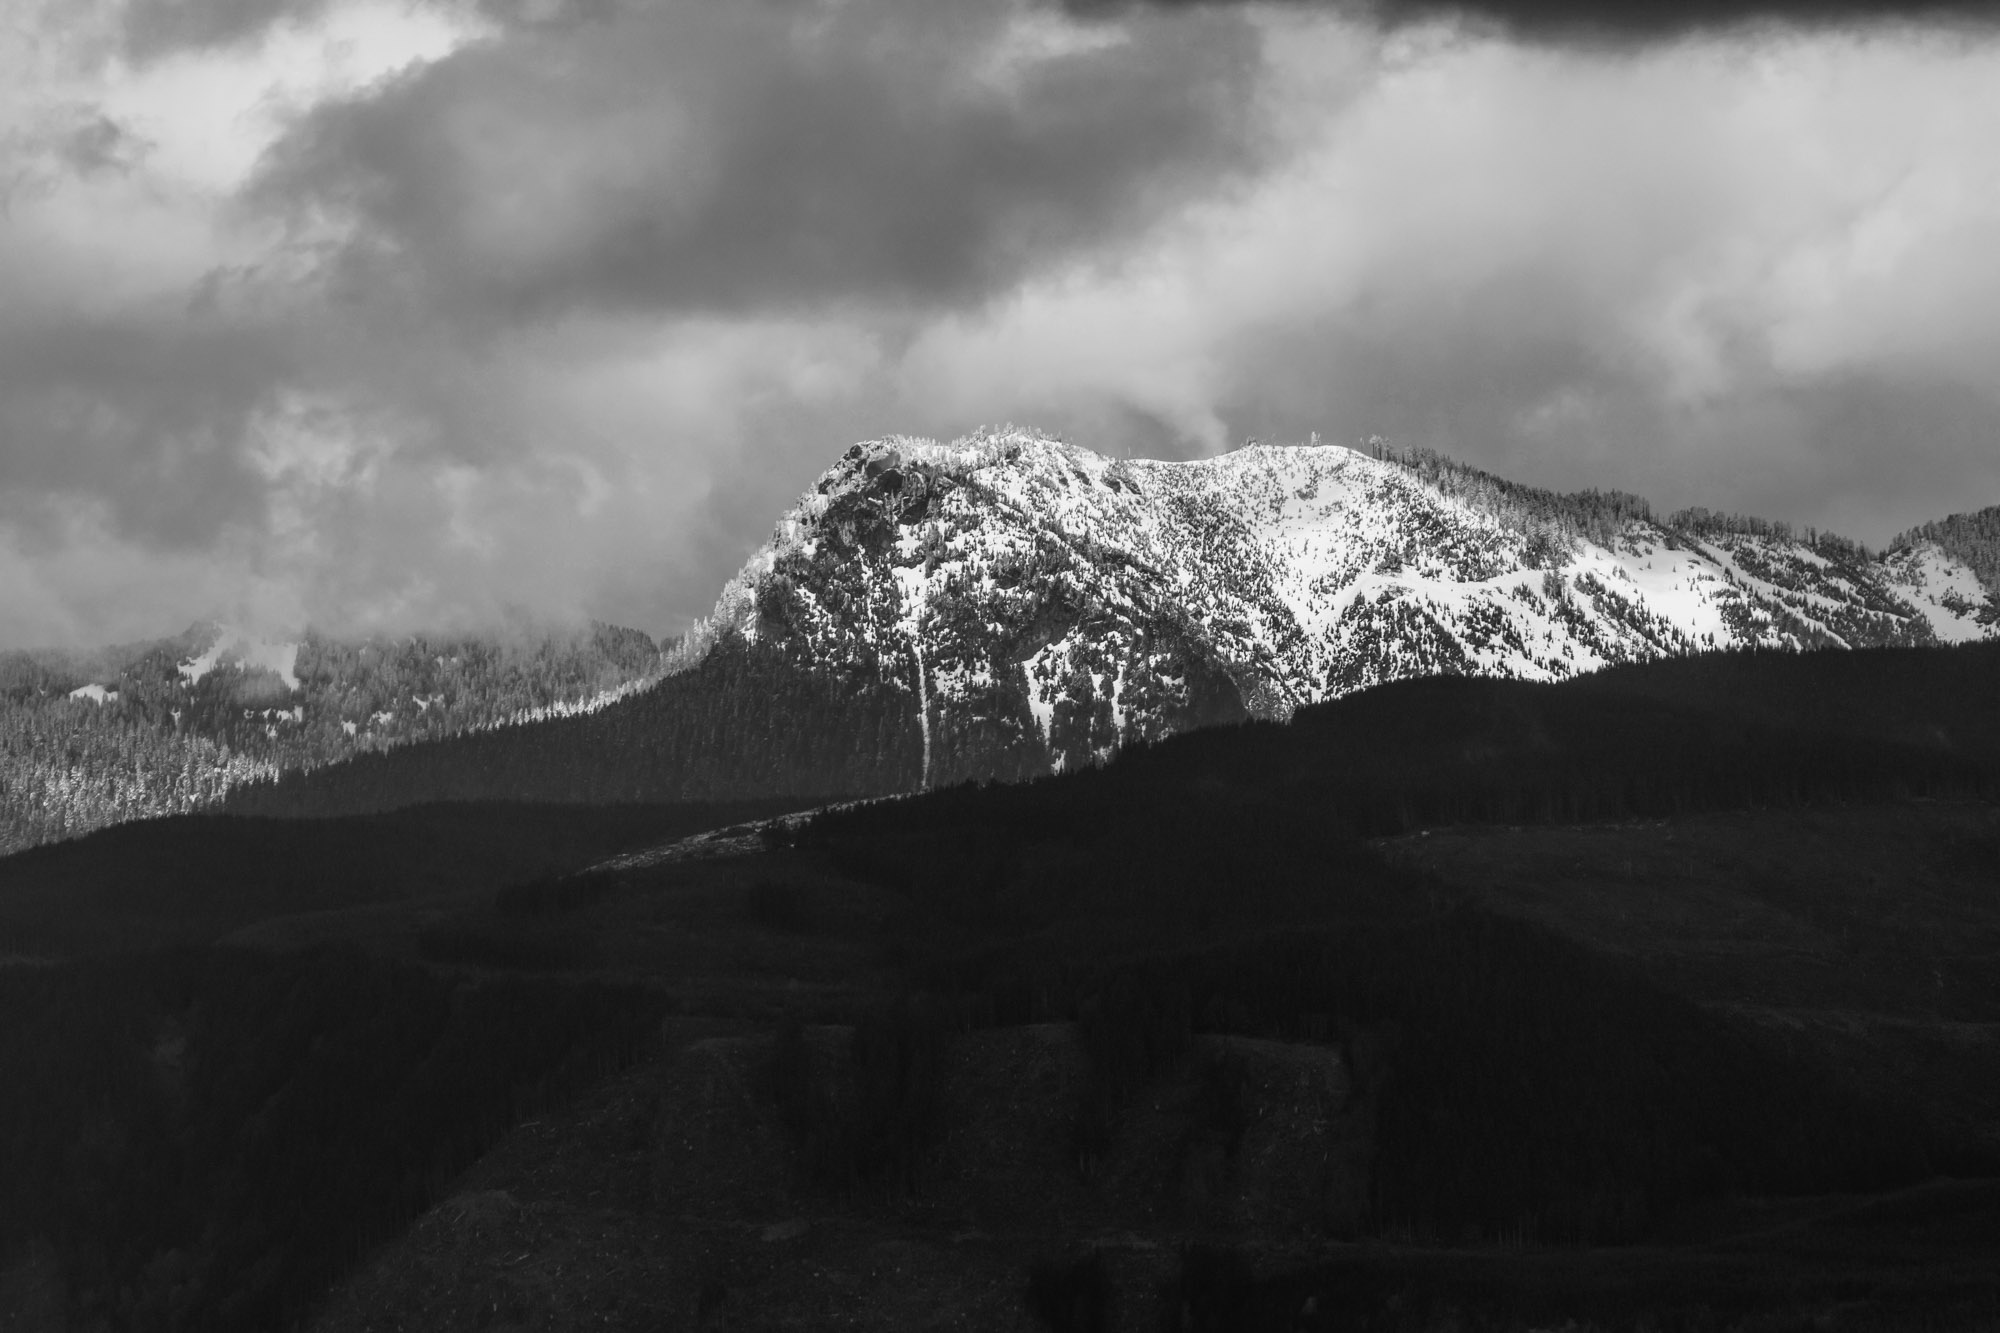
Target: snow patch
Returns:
[1945, 590]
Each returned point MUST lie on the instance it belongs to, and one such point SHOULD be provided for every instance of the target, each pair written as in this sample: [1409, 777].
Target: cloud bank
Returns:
[1619, 22]
[370, 317]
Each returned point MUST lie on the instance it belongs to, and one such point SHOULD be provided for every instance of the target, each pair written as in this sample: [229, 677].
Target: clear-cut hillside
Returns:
[1043, 604]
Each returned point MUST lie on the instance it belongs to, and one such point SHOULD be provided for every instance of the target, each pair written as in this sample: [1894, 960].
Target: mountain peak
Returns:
[1046, 602]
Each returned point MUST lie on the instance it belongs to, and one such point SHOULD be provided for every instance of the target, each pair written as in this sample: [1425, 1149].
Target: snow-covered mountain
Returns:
[1000, 606]
[1043, 604]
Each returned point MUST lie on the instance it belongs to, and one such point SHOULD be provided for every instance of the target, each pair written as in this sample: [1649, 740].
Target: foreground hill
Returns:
[202, 879]
[743, 723]
[1206, 1011]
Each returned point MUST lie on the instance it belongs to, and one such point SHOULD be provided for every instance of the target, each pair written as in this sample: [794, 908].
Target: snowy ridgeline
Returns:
[1013, 583]
[1029, 605]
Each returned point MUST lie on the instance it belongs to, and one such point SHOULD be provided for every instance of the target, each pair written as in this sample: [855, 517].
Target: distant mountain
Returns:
[169, 726]
[1034, 598]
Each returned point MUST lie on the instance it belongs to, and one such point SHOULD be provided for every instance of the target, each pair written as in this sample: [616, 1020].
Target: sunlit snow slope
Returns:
[1043, 604]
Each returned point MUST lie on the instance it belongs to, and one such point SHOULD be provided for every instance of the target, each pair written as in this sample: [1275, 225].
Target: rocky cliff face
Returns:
[1043, 604]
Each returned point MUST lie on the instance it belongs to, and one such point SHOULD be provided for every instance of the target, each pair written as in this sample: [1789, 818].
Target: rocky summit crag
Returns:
[1043, 604]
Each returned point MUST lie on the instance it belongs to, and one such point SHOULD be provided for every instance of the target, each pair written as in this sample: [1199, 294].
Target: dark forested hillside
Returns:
[1526, 1087]
[1722, 731]
[945, 1044]
[744, 723]
[205, 1139]
[1685, 734]
[194, 879]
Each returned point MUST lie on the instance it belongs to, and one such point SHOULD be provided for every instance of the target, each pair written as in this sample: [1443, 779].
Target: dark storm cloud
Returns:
[62, 144]
[147, 412]
[153, 28]
[1610, 21]
[560, 318]
[768, 156]
[96, 142]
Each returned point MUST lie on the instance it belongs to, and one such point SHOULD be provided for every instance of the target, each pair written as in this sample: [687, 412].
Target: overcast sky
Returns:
[373, 314]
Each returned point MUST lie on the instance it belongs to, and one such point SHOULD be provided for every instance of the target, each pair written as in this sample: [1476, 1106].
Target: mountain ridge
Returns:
[1000, 606]
[1026, 592]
